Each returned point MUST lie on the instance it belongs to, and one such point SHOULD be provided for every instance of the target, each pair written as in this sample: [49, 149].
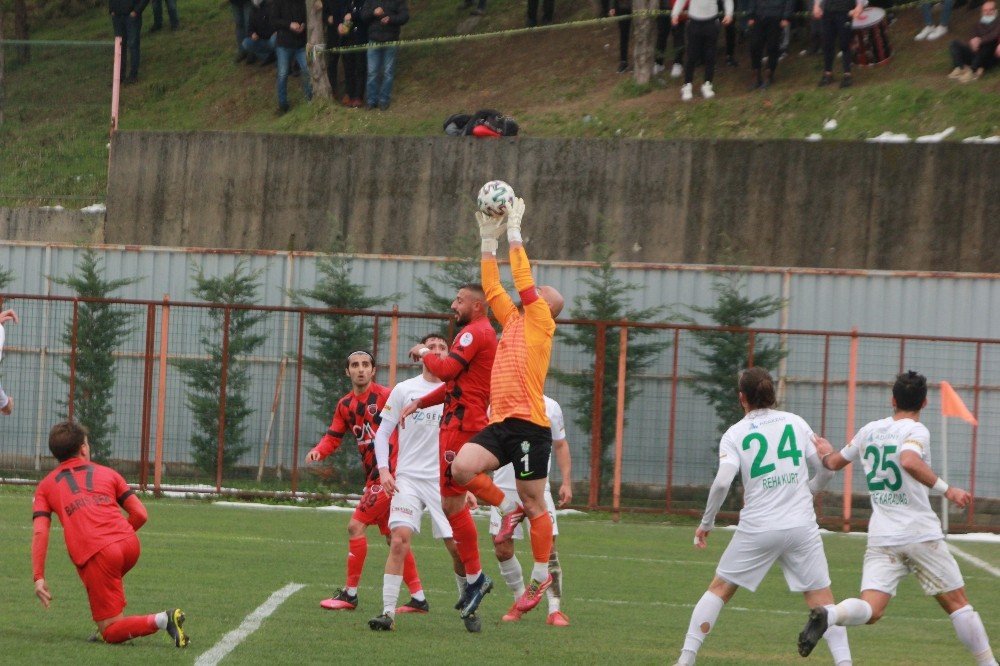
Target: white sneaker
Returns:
[676, 71]
[658, 69]
[706, 90]
[686, 92]
[937, 33]
[922, 35]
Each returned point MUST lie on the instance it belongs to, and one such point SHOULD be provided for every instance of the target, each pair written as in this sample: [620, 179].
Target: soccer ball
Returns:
[495, 198]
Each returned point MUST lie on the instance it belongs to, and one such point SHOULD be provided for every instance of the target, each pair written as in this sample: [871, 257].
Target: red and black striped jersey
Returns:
[466, 373]
[359, 415]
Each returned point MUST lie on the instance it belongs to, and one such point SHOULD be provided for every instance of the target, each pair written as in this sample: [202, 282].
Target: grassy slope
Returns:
[559, 83]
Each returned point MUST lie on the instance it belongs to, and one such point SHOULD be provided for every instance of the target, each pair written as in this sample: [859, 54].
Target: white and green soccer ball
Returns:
[495, 198]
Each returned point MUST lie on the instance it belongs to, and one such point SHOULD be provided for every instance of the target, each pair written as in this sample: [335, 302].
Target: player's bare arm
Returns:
[560, 451]
[387, 480]
[922, 472]
[39, 551]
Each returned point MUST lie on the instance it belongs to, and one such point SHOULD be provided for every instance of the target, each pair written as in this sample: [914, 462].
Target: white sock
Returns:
[836, 640]
[686, 659]
[554, 601]
[507, 505]
[513, 576]
[461, 583]
[351, 591]
[472, 578]
[161, 620]
[969, 627]
[418, 595]
[554, 593]
[849, 613]
[540, 572]
[390, 592]
[703, 618]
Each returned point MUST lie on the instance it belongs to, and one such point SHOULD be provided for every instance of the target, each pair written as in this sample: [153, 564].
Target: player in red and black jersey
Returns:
[89, 498]
[359, 413]
[466, 395]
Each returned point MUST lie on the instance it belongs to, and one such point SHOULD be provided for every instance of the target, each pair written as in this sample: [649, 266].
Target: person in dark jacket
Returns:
[621, 8]
[334, 12]
[384, 19]
[126, 19]
[261, 42]
[354, 32]
[972, 58]
[289, 21]
[837, 25]
[767, 20]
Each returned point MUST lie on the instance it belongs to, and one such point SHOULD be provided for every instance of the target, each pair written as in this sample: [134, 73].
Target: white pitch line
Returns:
[250, 624]
[975, 561]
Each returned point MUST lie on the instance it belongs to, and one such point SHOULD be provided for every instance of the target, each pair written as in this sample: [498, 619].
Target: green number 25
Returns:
[787, 448]
[887, 466]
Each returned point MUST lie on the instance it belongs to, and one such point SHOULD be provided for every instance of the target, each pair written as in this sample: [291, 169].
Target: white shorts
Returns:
[930, 561]
[550, 506]
[798, 550]
[408, 504]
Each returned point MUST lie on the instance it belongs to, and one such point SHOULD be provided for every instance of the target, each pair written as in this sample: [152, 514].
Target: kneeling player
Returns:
[88, 499]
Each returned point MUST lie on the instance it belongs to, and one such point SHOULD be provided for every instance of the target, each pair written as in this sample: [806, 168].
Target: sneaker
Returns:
[846, 81]
[96, 637]
[415, 606]
[508, 523]
[533, 594]
[686, 94]
[557, 619]
[472, 624]
[957, 73]
[282, 109]
[658, 69]
[175, 627]
[706, 90]
[512, 615]
[474, 594]
[383, 622]
[622, 67]
[967, 76]
[341, 600]
[937, 33]
[922, 35]
[825, 80]
[813, 631]
[676, 71]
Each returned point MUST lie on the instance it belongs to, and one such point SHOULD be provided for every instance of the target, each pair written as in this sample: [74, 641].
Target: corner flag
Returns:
[952, 405]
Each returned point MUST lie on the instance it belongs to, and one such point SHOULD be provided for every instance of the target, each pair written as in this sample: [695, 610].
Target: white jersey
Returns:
[770, 449]
[901, 508]
[418, 456]
[504, 477]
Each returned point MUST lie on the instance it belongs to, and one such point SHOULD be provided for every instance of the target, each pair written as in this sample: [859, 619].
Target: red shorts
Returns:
[449, 444]
[373, 509]
[102, 577]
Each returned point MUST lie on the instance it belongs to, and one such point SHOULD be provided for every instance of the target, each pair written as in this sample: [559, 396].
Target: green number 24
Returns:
[887, 466]
[787, 448]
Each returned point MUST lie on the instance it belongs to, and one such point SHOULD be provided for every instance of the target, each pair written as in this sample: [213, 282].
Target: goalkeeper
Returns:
[519, 431]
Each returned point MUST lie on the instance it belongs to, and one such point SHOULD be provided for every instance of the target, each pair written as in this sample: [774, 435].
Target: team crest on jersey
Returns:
[466, 339]
[372, 410]
[525, 446]
[449, 457]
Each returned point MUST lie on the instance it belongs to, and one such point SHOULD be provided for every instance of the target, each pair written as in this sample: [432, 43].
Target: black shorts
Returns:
[523, 443]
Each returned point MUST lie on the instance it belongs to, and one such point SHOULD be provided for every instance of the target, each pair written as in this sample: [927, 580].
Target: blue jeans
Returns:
[381, 59]
[925, 9]
[241, 20]
[285, 56]
[171, 12]
[128, 27]
[261, 48]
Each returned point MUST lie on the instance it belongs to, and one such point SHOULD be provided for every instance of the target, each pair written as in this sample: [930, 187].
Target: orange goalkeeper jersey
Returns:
[522, 358]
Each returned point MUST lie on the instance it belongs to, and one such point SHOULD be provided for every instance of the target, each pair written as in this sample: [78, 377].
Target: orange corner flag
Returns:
[952, 405]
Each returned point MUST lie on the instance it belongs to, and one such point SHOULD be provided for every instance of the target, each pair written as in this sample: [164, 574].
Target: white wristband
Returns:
[423, 351]
[514, 235]
[940, 485]
[489, 245]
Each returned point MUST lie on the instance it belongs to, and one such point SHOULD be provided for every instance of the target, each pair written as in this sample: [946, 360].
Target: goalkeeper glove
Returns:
[490, 229]
[514, 216]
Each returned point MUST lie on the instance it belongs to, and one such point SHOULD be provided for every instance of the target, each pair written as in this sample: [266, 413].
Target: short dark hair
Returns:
[66, 438]
[429, 336]
[347, 360]
[474, 286]
[910, 391]
[757, 387]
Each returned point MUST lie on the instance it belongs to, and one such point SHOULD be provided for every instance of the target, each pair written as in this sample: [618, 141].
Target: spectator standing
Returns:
[664, 30]
[385, 19]
[478, 10]
[548, 9]
[175, 21]
[622, 8]
[981, 52]
[837, 26]
[126, 19]
[334, 12]
[289, 23]
[767, 20]
[261, 42]
[241, 22]
[701, 40]
[354, 32]
[930, 31]
[729, 30]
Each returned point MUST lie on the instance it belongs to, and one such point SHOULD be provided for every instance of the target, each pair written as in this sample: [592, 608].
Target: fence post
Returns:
[673, 423]
[298, 404]
[852, 383]
[224, 373]
[161, 394]
[595, 418]
[147, 397]
[619, 421]
[970, 512]
[393, 345]
[72, 360]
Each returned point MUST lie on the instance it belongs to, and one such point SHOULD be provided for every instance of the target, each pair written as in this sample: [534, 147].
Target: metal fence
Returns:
[647, 442]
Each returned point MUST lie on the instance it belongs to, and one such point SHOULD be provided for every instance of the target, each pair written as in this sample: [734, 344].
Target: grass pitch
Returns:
[629, 590]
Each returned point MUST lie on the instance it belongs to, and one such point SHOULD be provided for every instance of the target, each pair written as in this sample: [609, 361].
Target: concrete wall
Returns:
[773, 203]
[51, 225]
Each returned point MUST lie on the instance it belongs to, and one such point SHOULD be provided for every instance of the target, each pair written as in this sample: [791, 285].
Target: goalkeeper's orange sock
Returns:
[357, 552]
[466, 542]
[130, 627]
[485, 490]
[541, 545]
[410, 575]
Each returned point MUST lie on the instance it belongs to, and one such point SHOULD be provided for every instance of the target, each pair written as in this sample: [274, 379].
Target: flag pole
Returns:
[944, 470]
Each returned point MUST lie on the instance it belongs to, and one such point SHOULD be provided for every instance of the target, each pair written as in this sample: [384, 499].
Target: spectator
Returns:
[384, 19]
[175, 22]
[354, 32]
[334, 12]
[665, 29]
[289, 22]
[126, 19]
[260, 43]
[6, 402]
[767, 20]
[548, 9]
[729, 30]
[622, 8]
[981, 52]
[837, 26]
[241, 21]
[480, 8]
[701, 39]
[931, 31]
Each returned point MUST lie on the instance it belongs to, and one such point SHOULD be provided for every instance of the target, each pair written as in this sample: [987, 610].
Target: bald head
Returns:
[554, 299]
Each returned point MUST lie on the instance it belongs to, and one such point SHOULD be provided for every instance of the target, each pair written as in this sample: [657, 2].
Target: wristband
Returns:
[489, 245]
[423, 351]
[940, 485]
[514, 235]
